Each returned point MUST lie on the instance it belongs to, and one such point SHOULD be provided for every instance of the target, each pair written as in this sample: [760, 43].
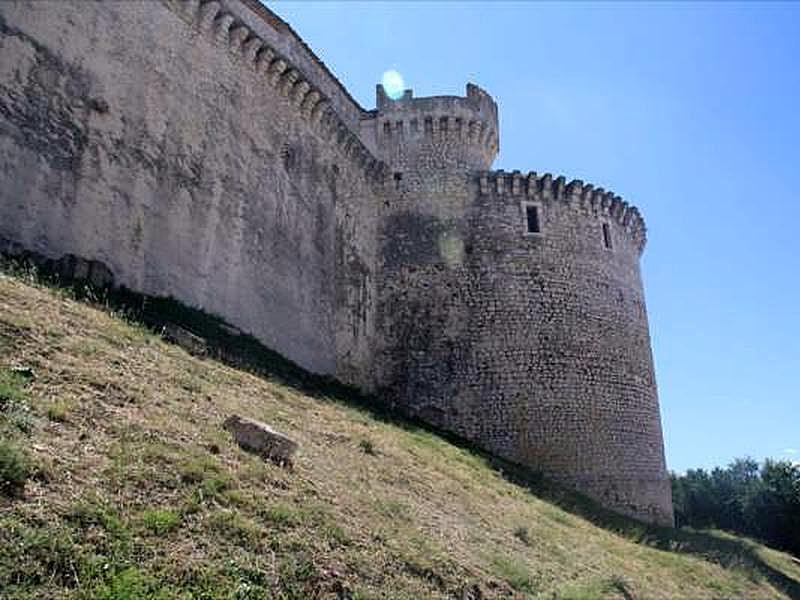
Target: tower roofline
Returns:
[476, 99]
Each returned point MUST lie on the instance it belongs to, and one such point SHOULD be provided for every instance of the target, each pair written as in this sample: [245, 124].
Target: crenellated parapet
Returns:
[585, 197]
[466, 125]
[279, 73]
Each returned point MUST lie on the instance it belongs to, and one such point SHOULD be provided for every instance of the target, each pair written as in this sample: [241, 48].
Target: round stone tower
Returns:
[439, 134]
[511, 307]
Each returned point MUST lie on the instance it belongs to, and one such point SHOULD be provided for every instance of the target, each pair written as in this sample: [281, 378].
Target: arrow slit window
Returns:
[533, 218]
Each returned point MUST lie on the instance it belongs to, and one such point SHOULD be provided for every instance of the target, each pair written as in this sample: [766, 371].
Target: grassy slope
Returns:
[138, 492]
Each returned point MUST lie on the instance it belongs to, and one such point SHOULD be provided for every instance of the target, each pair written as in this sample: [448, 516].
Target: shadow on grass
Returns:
[227, 345]
[726, 552]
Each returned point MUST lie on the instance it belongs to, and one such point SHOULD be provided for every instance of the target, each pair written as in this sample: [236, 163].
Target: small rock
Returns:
[184, 338]
[261, 439]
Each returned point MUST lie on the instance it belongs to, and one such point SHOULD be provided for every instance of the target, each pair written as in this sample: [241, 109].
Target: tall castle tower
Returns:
[511, 307]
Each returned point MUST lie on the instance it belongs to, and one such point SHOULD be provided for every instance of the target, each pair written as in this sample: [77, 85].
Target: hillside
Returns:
[136, 491]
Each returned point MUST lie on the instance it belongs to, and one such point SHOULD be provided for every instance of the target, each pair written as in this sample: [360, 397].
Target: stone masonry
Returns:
[198, 149]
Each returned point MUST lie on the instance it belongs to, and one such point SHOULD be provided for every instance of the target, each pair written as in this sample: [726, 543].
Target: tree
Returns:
[763, 502]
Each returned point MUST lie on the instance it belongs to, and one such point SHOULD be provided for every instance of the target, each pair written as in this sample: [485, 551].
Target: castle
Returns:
[199, 149]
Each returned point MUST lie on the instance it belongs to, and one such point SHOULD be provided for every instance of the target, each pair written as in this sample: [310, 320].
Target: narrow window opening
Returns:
[607, 236]
[532, 218]
[398, 178]
[398, 127]
[289, 157]
[429, 125]
[387, 129]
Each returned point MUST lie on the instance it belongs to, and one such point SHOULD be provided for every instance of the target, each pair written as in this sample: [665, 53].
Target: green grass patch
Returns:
[235, 528]
[12, 389]
[394, 509]
[297, 575]
[59, 411]
[615, 586]
[336, 535]
[15, 469]
[160, 521]
[515, 572]
[36, 555]
[132, 584]
[281, 514]
[94, 514]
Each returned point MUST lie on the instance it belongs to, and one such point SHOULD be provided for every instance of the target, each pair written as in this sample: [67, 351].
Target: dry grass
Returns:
[138, 492]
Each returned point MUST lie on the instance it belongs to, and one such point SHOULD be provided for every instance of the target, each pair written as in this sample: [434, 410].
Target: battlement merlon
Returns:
[585, 197]
[477, 101]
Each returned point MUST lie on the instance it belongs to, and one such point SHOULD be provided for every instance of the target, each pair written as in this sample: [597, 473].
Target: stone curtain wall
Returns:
[147, 136]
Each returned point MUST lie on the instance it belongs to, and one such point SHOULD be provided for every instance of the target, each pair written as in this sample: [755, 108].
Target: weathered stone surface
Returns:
[184, 338]
[259, 438]
[201, 151]
[143, 142]
[11, 248]
[100, 276]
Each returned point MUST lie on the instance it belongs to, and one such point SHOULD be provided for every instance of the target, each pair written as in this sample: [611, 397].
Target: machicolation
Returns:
[198, 149]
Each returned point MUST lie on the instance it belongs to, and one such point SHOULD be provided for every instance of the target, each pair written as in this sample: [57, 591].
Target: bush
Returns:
[15, 469]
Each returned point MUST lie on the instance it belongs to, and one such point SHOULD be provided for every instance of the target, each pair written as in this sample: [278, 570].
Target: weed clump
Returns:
[132, 584]
[367, 447]
[58, 412]
[11, 389]
[515, 572]
[297, 576]
[161, 522]
[522, 534]
[15, 469]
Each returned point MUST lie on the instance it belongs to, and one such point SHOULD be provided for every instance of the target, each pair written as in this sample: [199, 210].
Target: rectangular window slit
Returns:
[532, 218]
[607, 236]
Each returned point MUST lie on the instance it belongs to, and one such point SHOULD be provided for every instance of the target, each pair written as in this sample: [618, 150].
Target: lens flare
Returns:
[393, 84]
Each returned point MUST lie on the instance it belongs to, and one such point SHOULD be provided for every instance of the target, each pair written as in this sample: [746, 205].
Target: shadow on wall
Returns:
[211, 337]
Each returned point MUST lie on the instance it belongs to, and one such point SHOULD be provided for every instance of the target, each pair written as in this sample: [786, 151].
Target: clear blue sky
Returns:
[691, 112]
